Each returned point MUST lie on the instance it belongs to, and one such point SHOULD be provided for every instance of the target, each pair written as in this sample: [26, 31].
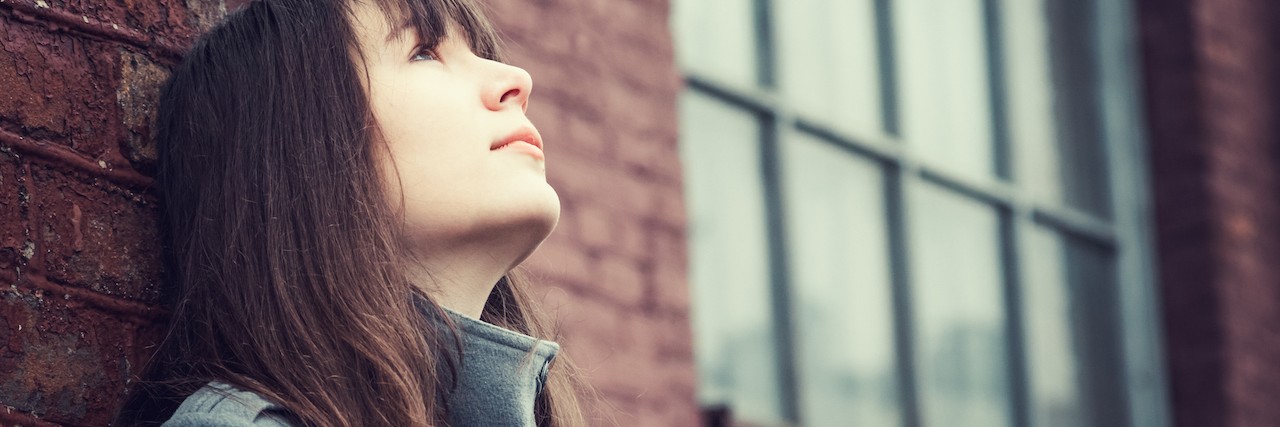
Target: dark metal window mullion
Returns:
[1126, 148]
[1015, 218]
[766, 63]
[888, 68]
[1016, 226]
[777, 122]
[781, 287]
[900, 173]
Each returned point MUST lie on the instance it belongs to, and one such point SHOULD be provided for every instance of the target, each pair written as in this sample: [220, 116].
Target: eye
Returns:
[424, 53]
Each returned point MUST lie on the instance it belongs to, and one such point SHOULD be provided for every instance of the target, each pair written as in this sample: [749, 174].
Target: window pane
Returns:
[946, 112]
[958, 309]
[1071, 343]
[718, 38]
[828, 62]
[732, 316]
[1053, 111]
[844, 310]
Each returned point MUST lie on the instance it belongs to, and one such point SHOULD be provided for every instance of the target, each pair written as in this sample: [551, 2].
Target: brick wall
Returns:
[1213, 102]
[79, 268]
[78, 250]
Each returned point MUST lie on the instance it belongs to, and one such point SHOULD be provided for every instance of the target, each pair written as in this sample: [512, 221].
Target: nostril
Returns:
[510, 94]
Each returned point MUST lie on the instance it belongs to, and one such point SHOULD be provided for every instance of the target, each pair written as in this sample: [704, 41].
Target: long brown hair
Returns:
[284, 270]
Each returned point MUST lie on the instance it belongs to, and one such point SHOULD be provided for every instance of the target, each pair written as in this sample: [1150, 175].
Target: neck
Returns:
[461, 278]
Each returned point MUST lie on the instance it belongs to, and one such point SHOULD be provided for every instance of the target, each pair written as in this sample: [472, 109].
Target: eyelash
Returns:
[424, 50]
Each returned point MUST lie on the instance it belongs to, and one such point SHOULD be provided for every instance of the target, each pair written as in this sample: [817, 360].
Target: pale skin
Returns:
[471, 213]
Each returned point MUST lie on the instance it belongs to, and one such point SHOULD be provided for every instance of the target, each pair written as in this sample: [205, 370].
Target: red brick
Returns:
[580, 180]
[673, 338]
[593, 226]
[619, 374]
[679, 410]
[517, 21]
[62, 362]
[590, 137]
[60, 88]
[603, 339]
[16, 244]
[614, 410]
[643, 67]
[550, 121]
[594, 323]
[631, 194]
[621, 278]
[562, 261]
[670, 246]
[631, 238]
[671, 287]
[670, 209]
[95, 235]
[176, 20]
[652, 155]
[554, 300]
[1215, 168]
[573, 83]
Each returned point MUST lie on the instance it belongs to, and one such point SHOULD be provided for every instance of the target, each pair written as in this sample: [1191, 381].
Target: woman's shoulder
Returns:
[219, 404]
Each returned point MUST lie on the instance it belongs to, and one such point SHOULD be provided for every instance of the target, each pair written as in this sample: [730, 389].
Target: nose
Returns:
[510, 86]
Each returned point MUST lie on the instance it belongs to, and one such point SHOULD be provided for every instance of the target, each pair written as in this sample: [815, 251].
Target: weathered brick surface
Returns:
[59, 87]
[1213, 104]
[95, 235]
[61, 361]
[79, 260]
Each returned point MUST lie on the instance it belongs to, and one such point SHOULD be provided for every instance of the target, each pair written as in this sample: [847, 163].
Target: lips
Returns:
[526, 134]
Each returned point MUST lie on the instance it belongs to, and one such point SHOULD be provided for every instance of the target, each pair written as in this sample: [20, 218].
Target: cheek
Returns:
[435, 160]
[429, 141]
[422, 109]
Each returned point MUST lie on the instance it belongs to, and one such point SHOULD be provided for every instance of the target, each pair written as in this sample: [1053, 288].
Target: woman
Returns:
[346, 187]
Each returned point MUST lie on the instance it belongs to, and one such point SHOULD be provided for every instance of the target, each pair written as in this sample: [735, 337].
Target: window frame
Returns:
[1126, 234]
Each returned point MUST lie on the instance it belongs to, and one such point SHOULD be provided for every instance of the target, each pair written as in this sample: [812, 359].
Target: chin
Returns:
[523, 216]
[544, 210]
[530, 213]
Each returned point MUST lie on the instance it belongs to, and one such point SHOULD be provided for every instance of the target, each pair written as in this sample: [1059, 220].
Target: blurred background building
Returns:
[919, 212]
[1047, 213]
[983, 212]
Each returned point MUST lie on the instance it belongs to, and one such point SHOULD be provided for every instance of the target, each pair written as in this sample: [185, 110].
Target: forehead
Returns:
[377, 27]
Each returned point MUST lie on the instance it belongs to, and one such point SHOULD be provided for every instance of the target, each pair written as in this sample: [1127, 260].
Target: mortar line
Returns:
[85, 25]
[65, 156]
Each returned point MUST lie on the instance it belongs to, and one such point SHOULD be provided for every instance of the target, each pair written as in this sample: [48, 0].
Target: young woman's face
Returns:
[442, 114]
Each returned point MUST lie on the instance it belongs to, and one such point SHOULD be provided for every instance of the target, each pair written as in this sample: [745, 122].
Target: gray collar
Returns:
[502, 373]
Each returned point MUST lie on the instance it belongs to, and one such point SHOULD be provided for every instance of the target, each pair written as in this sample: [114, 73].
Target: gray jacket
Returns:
[502, 372]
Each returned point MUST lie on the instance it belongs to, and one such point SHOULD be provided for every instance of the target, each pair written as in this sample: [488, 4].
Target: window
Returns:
[917, 213]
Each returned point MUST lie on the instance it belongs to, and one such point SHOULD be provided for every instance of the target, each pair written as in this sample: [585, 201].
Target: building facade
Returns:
[986, 212]
[775, 213]
[940, 205]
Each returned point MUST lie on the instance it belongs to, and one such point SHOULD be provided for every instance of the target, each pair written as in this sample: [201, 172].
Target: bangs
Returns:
[430, 20]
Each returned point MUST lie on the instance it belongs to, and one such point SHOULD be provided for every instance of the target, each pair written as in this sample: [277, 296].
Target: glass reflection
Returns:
[1054, 121]
[717, 38]
[946, 108]
[958, 310]
[828, 62]
[840, 265]
[732, 314]
[1071, 346]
